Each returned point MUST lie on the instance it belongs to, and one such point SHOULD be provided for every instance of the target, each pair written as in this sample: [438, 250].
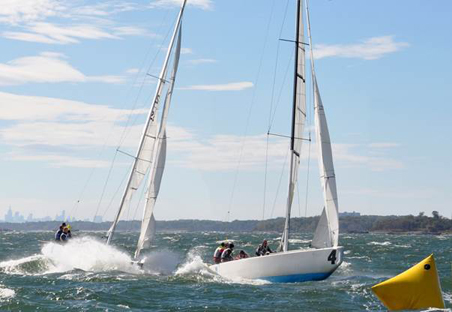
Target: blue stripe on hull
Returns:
[296, 278]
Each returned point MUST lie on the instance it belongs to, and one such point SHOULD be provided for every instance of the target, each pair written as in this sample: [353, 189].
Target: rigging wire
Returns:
[105, 185]
[270, 112]
[126, 130]
[76, 205]
[139, 203]
[251, 109]
[279, 183]
[311, 106]
[129, 124]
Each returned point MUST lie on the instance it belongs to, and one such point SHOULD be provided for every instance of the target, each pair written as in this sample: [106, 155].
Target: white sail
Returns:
[159, 163]
[145, 152]
[327, 231]
[325, 237]
[298, 120]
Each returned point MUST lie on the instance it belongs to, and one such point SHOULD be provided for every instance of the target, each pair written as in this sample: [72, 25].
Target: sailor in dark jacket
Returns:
[58, 233]
[65, 235]
[263, 249]
[227, 253]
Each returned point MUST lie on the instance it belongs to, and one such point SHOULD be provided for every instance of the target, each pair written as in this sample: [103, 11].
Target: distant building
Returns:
[349, 214]
[30, 218]
[61, 217]
[97, 219]
[9, 216]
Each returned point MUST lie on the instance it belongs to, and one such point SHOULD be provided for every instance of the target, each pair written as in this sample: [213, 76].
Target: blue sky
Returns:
[72, 73]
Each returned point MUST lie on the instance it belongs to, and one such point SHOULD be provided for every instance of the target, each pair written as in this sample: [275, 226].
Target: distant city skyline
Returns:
[12, 216]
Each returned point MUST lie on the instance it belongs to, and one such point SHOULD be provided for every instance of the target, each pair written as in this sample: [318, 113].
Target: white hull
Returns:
[284, 267]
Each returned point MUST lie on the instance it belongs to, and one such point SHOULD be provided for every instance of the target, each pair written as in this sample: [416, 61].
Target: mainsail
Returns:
[327, 231]
[156, 174]
[298, 119]
[146, 154]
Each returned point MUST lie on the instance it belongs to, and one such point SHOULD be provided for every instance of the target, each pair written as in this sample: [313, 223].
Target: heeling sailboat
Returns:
[151, 153]
[325, 256]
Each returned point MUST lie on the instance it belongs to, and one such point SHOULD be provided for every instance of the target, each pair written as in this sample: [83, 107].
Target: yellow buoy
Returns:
[416, 288]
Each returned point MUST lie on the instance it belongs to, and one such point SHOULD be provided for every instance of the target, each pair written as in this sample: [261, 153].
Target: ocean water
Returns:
[86, 275]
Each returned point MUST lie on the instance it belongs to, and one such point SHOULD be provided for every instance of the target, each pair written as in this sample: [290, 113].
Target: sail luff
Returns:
[156, 173]
[327, 231]
[298, 119]
[150, 121]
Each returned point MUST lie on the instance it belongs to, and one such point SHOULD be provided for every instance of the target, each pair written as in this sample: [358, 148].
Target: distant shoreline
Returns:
[349, 224]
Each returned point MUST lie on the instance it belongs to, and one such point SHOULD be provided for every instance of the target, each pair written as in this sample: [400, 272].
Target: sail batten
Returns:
[146, 149]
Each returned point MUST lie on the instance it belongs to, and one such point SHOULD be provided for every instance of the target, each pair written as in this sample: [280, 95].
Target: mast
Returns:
[145, 148]
[147, 231]
[298, 119]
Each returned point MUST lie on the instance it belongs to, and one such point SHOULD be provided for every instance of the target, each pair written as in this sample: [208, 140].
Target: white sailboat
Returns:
[151, 154]
[324, 256]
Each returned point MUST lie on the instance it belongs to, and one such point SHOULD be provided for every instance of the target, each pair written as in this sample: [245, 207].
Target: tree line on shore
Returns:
[348, 224]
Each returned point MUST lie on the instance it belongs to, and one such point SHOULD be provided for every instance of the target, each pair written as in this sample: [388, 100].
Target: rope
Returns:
[76, 204]
[251, 109]
[270, 112]
[279, 183]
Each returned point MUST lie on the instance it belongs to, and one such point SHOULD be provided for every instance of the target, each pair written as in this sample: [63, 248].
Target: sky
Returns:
[76, 83]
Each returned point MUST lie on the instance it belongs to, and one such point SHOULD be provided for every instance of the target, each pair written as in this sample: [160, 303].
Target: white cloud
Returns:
[370, 49]
[48, 67]
[186, 51]
[132, 31]
[201, 61]
[53, 128]
[203, 4]
[59, 161]
[57, 34]
[233, 86]
[15, 11]
[383, 145]
[30, 21]
[131, 71]
[24, 108]
[222, 152]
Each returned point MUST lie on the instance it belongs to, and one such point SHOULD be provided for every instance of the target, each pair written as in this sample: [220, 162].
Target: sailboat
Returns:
[324, 256]
[151, 153]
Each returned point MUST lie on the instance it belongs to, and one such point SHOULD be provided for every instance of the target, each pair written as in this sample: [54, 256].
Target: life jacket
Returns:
[64, 237]
[227, 255]
[58, 235]
[262, 251]
[218, 252]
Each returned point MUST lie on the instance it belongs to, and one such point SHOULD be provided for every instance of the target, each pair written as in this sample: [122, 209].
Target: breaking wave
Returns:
[195, 268]
[84, 253]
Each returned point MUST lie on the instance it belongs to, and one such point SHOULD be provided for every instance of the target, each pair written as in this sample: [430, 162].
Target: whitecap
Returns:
[379, 243]
[6, 293]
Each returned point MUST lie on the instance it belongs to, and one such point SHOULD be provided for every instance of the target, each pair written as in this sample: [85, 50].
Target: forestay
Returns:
[148, 225]
[327, 231]
[298, 120]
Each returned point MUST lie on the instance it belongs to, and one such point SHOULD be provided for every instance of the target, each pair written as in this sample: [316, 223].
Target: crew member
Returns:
[242, 255]
[65, 235]
[263, 249]
[58, 233]
[227, 253]
[218, 252]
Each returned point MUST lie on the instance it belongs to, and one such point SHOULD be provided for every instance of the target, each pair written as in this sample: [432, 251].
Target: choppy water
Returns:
[87, 275]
